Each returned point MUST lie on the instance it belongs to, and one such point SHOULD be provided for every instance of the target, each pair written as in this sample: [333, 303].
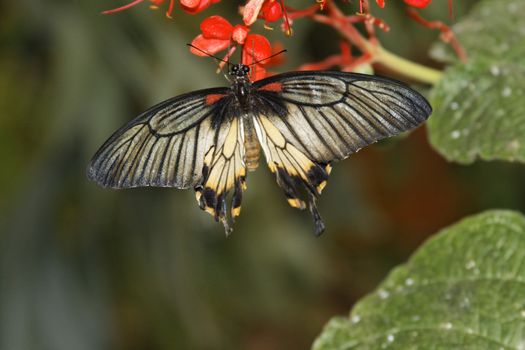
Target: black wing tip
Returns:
[421, 106]
[319, 227]
[104, 181]
[93, 175]
[425, 109]
[418, 98]
[415, 96]
[110, 183]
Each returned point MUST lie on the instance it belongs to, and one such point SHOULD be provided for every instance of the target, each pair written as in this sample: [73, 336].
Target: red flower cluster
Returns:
[218, 34]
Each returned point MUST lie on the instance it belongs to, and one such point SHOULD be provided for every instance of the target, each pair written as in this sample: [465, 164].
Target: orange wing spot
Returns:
[211, 99]
[274, 87]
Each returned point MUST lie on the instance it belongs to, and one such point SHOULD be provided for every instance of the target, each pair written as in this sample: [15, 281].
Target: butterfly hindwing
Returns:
[224, 170]
[306, 120]
[292, 168]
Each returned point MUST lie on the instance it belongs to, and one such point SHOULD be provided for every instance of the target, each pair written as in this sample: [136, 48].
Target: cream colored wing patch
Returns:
[292, 168]
[224, 170]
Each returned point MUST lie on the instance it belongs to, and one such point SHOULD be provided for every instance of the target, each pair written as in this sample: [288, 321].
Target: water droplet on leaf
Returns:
[470, 265]
[446, 325]
[383, 294]
[506, 92]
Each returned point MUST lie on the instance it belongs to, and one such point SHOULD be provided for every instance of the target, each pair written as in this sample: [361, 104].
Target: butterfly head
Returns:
[239, 70]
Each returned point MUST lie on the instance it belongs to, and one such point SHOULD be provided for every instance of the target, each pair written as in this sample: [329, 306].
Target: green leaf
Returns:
[493, 28]
[478, 107]
[463, 289]
[479, 112]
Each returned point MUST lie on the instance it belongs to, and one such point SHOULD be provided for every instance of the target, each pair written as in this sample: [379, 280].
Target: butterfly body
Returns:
[251, 143]
[241, 89]
[302, 122]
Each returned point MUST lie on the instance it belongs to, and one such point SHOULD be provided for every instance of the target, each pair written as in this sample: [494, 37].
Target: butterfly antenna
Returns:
[208, 54]
[228, 55]
[267, 58]
[253, 58]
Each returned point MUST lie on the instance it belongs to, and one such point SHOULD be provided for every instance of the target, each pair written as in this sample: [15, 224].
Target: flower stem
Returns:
[406, 68]
[373, 49]
[122, 8]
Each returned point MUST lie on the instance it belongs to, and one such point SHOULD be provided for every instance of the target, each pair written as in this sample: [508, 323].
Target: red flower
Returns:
[218, 34]
[195, 6]
[380, 3]
[251, 11]
[418, 3]
[271, 11]
[254, 52]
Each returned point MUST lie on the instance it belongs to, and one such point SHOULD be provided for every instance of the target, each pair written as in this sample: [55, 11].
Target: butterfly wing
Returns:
[188, 141]
[306, 120]
[224, 170]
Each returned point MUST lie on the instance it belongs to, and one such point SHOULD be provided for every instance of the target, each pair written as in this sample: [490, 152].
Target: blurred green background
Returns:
[86, 268]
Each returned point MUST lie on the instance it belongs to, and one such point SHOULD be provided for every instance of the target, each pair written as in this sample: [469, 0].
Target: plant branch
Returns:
[378, 55]
[406, 68]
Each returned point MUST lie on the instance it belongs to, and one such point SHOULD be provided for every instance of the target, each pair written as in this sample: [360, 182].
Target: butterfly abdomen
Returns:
[251, 145]
[252, 155]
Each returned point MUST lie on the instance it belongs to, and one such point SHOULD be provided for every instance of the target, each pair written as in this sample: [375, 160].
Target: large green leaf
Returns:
[480, 112]
[478, 107]
[463, 289]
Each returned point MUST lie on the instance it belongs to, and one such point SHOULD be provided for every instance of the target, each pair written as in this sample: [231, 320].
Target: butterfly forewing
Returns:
[330, 115]
[165, 146]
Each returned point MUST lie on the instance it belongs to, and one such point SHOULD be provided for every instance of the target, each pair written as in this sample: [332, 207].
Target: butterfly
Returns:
[301, 121]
